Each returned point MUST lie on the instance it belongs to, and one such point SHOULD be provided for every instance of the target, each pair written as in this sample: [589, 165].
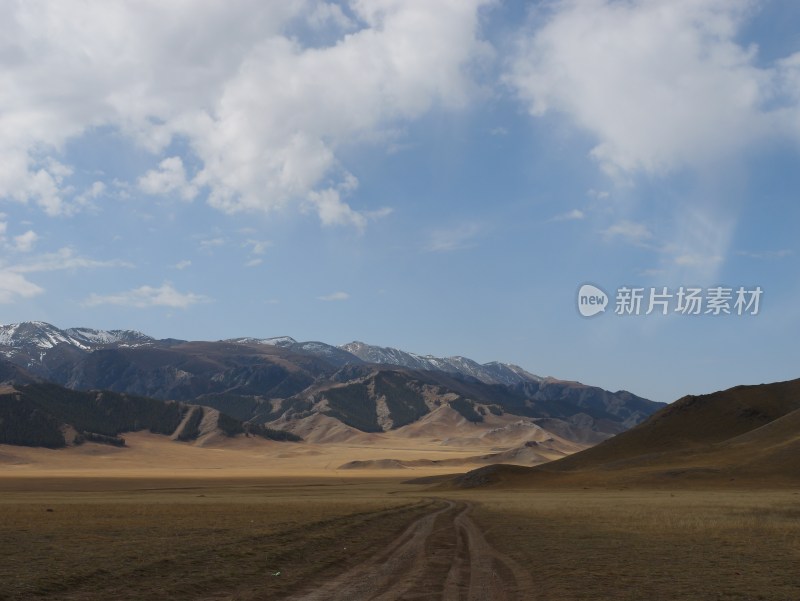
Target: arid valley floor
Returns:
[263, 520]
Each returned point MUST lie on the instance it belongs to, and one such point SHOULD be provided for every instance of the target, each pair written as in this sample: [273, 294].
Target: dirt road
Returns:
[442, 555]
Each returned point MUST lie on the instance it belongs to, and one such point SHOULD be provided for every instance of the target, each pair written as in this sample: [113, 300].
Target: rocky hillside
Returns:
[48, 415]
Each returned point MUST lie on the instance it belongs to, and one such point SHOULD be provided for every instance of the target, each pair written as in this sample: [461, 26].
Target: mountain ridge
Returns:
[273, 382]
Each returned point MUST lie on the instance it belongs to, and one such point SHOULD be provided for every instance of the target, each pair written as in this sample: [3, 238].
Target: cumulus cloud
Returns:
[148, 296]
[660, 84]
[263, 113]
[332, 211]
[25, 242]
[22, 243]
[169, 178]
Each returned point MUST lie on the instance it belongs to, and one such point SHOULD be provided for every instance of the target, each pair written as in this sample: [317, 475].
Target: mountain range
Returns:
[311, 388]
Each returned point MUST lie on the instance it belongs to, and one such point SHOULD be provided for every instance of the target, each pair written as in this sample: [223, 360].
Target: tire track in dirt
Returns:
[492, 575]
[443, 555]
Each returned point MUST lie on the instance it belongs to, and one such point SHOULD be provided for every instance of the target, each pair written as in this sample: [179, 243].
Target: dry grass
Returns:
[655, 545]
[96, 523]
[132, 538]
[188, 543]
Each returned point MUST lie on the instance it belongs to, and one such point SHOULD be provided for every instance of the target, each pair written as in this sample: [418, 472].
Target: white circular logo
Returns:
[591, 300]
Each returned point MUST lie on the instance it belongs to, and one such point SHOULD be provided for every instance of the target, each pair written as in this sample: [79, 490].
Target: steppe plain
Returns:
[253, 519]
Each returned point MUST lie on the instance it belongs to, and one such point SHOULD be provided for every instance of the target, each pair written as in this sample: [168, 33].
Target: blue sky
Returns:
[439, 176]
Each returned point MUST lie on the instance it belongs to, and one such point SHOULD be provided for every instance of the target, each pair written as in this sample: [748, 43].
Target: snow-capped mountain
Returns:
[93, 338]
[39, 335]
[490, 373]
[31, 340]
[334, 354]
[257, 380]
[283, 341]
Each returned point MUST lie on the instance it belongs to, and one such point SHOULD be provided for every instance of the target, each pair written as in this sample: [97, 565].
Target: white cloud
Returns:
[652, 271]
[169, 178]
[701, 240]
[697, 260]
[90, 194]
[25, 242]
[64, 258]
[661, 84]
[573, 215]
[335, 296]
[332, 211]
[263, 114]
[259, 247]
[598, 194]
[148, 296]
[635, 233]
[14, 286]
[14, 283]
[254, 262]
[210, 243]
[378, 213]
[181, 265]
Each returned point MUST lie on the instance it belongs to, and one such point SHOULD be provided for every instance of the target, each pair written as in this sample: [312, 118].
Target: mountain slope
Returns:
[379, 398]
[48, 415]
[695, 422]
[746, 433]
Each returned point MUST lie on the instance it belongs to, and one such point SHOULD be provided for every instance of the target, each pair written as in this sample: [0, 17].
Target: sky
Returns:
[440, 176]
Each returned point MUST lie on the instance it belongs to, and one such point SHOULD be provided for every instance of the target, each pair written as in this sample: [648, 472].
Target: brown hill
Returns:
[747, 434]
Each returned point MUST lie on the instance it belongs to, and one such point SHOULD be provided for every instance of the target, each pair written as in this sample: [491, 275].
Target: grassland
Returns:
[134, 538]
[184, 539]
[651, 544]
[258, 519]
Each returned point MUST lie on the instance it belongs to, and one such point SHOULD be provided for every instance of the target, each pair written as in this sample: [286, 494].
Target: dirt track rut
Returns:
[440, 556]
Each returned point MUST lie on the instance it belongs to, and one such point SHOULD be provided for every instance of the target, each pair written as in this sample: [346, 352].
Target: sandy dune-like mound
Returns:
[319, 429]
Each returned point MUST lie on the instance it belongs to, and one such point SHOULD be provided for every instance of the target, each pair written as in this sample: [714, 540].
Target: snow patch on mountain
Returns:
[490, 373]
[282, 341]
[94, 337]
[40, 335]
